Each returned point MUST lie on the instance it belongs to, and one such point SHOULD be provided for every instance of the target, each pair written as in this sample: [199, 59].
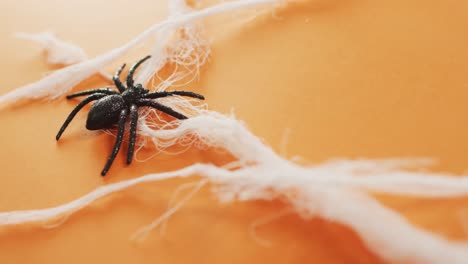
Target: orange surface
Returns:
[348, 79]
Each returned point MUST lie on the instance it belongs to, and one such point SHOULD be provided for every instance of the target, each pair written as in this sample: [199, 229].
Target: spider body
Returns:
[105, 112]
[114, 107]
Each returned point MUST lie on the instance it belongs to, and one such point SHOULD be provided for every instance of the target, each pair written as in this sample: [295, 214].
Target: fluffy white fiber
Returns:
[61, 81]
[57, 51]
[337, 190]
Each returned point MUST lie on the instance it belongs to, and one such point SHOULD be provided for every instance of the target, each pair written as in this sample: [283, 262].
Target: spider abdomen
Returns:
[105, 112]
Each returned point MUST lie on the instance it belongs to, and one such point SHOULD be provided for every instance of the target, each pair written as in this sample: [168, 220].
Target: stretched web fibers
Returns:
[58, 51]
[62, 81]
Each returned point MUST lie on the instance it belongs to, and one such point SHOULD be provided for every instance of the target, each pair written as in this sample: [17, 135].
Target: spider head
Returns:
[140, 89]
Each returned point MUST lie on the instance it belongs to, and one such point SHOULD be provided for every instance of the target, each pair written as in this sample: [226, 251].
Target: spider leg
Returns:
[133, 129]
[76, 110]
[133, 69]
[93, 91]
[118, 141]
[116, 79]
[161, 108]
[181, 93]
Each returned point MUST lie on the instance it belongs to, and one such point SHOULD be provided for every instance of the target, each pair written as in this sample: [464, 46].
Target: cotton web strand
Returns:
[334, 191]
[63, 80]
[188, 50]
[152, 121]
[58, 52]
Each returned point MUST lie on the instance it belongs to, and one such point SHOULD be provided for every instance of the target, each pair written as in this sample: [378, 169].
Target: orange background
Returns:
[349, 79]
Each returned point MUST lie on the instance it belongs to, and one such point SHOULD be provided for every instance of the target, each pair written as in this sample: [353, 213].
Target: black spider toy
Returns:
[113, 107]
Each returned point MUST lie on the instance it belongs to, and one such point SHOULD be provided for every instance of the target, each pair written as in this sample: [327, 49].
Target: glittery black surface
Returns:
[113, 107]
